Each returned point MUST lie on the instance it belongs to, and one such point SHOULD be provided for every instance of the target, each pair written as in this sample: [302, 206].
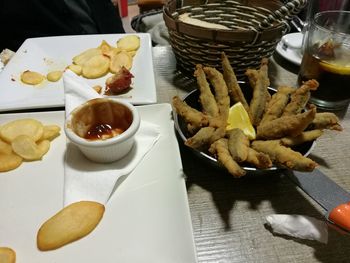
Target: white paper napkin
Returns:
[299, 226]
[84, 179]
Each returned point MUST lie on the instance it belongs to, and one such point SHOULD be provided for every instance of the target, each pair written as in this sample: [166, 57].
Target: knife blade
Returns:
[327, 193]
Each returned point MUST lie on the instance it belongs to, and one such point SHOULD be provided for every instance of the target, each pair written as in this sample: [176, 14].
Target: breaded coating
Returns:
[191, 115]
[326, 120]
[284, 156]
[204, 137]
[221, 94]
[286, 125]
[305, 136]
[252, 75]
[264, 75]
[214, 122]
[218, 134]
[259, 81]
[258, 159]
[234, 90]
[201, 138]
[238, 145]
[263, 72]
[277, 104]
[206, 97]
[300, 98]
[192, 129]
[220, 149]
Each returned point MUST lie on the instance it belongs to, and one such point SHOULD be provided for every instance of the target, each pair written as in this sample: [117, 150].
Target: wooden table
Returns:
[228, 215]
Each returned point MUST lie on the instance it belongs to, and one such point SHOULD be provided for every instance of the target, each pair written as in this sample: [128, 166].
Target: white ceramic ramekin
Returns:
[103, 150]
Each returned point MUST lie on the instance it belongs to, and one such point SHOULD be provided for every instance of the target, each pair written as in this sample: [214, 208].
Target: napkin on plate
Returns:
[87, 180]
[299, 226]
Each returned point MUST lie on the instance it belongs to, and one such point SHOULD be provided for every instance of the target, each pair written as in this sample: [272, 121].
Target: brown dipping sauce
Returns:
[100, 131]
[101, 119]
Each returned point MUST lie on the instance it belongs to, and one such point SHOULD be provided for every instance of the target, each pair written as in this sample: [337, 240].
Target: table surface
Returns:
[228, 215]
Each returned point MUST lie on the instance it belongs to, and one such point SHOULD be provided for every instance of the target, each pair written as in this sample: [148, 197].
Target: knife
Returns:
[329, 195]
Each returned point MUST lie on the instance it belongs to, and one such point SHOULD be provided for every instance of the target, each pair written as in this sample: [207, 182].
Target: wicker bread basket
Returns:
[254, 29]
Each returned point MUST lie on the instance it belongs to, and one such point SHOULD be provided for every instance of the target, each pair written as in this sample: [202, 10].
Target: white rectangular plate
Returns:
[146, 220]
[55, 53]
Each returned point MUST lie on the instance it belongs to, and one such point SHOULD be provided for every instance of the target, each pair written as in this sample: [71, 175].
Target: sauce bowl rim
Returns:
[128, 133]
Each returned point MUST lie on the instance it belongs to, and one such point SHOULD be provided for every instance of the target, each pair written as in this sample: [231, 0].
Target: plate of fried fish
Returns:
[286, 125]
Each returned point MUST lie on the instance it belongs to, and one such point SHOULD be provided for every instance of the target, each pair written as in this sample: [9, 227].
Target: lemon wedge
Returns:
[337, 69]
[239, 118]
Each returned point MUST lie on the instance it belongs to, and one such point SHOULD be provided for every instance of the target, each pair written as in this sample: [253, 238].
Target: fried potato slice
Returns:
[83, 57]
[122, 59]
[70, 224]
[9, 162]
[50, 132]
[112, 52]
[96, 67]
[5, 148]
[32, 77]
[54, 76]
[132, 53]
[77, 69]
[105, 47]
[26, 148]
[30, 127]
[7, 255]
[129, 43]
[44, 147]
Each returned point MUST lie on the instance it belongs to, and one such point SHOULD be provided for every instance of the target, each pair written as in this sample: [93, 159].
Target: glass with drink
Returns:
[327, 59]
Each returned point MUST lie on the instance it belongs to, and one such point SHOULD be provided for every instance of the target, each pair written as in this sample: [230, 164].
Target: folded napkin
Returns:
[84, 179]
[299, 226]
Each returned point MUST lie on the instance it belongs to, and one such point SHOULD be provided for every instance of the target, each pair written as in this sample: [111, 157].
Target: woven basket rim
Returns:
[222, 35]
[248, 36]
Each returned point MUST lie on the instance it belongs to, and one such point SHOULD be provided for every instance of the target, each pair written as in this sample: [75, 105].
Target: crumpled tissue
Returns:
[299, 226]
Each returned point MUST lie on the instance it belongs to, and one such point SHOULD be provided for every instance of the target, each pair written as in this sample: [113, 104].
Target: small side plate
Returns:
[290, 53]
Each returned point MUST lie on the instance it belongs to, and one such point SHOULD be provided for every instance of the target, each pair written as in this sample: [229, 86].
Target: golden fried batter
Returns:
[326, 120]
[201, 138]
[286, 125]
[220, 149]
[284, 156]
[206, 97]
[221, 93]
[204, 137]
[259, 81]
[277, 104]
[264, 75]
[300, 98]
[191, 115]
[238, 145]
[305, 136]
[233, 87]
[258, 159]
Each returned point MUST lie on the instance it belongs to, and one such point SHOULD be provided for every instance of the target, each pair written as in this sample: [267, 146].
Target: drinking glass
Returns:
[327, 59]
